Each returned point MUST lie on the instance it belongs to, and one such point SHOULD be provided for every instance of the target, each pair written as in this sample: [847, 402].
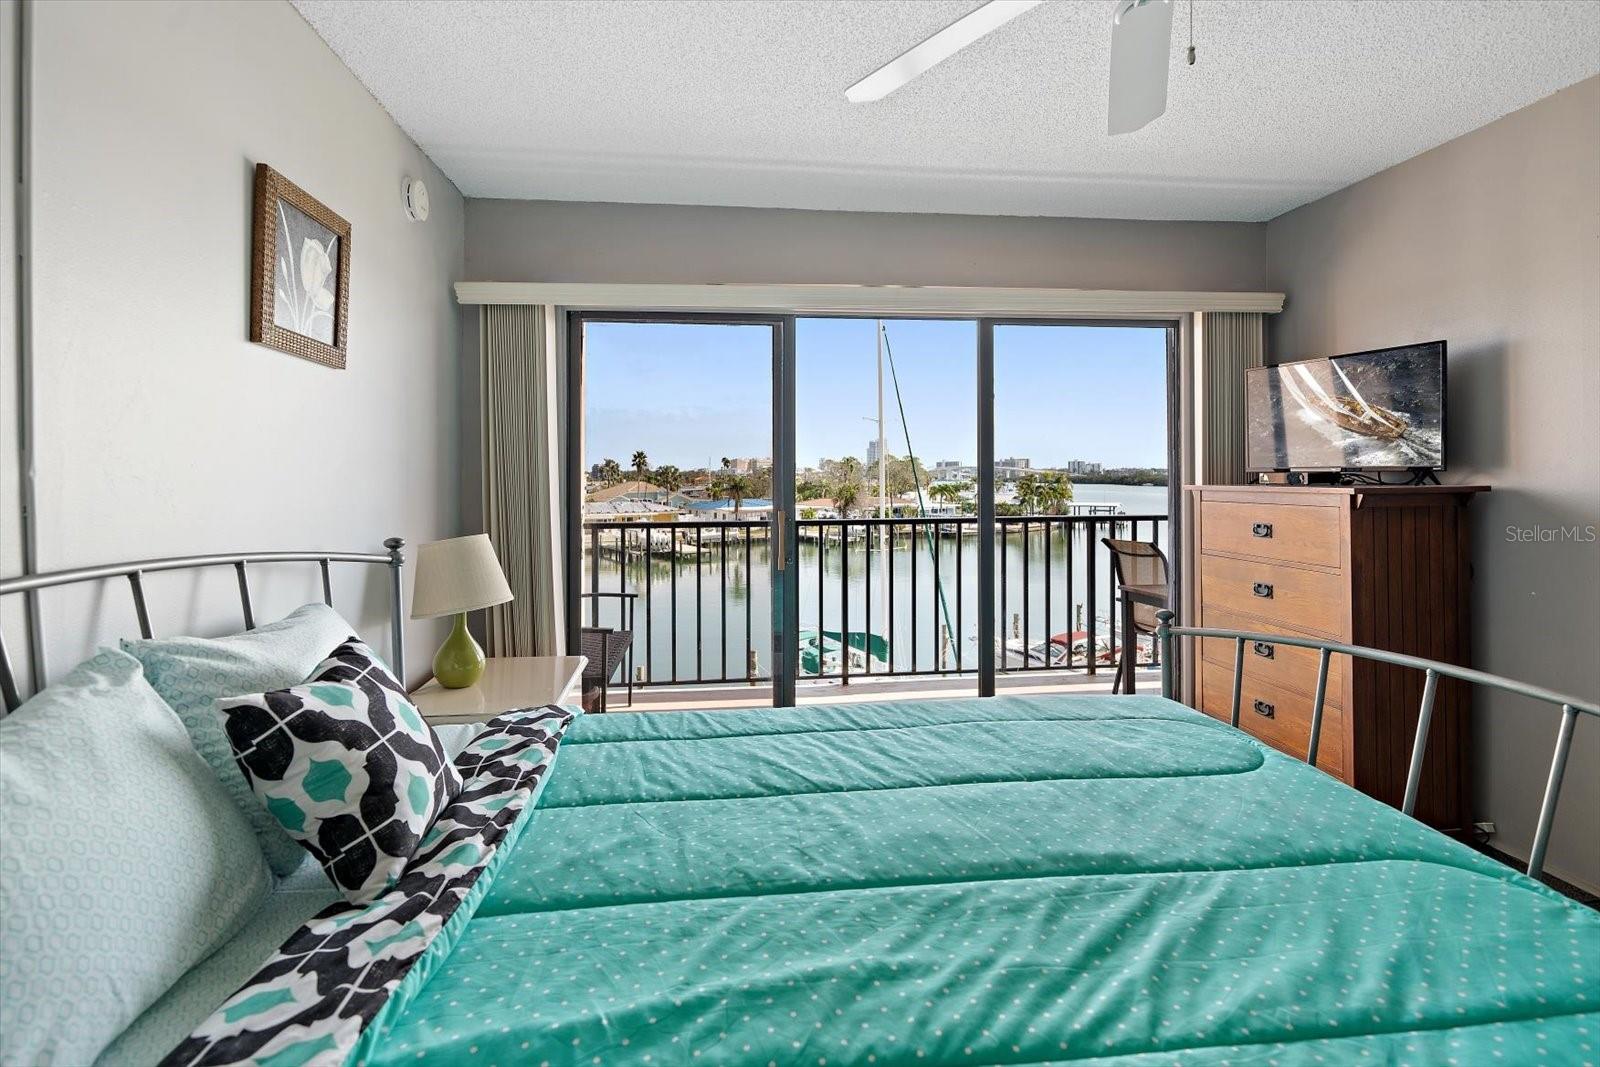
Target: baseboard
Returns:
[1587, 895]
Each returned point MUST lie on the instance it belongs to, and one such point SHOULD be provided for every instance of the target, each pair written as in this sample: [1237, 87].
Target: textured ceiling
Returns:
[742, 101]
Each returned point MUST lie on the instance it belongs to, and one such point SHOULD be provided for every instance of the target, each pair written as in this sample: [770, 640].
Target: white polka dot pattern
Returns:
[193, 673]
[314, 1000]
[1031, 880]
[122, 861]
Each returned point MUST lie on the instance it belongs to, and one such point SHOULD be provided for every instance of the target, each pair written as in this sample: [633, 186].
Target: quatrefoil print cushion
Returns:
[347, 765]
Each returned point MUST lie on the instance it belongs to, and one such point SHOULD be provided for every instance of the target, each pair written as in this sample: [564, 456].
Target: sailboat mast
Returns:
[916, 481]
[883, 488]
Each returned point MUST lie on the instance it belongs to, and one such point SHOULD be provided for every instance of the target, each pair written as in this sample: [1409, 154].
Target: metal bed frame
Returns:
[1571, 707]
[135, 571]
[394, 559]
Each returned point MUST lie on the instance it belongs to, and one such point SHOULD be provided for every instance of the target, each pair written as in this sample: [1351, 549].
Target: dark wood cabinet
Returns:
[1384, 566]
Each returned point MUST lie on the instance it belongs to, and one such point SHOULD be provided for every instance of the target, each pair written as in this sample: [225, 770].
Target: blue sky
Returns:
[691, 394]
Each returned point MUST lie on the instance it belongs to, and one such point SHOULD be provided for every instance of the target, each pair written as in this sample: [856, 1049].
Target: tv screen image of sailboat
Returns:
[1370, 410]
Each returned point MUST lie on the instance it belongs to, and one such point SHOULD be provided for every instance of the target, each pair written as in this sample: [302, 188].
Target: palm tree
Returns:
[1055, 491]
[1030, 494]
[809, 489]
[726, 463]
[641, 465]
[669, 477]
[733, 486]
[611, 471]
[945, 492]
[847, 497]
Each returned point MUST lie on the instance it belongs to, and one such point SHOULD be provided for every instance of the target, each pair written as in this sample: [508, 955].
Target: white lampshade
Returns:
[457, 574]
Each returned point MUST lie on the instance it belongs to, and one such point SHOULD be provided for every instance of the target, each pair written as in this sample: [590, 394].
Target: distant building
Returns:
[724, 511]
[625, 510]
[748, 464]
[821, 507]
[1083, 466]
[629, 491]
[1011, 469]
[873, 453]
[1020, 462]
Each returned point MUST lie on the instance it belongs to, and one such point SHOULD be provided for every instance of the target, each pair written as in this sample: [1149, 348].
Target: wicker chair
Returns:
[1136, 563]
[607, 648]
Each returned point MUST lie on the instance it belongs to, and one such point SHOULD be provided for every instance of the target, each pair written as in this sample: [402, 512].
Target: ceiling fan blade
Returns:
[1141, 49]
[936, 49]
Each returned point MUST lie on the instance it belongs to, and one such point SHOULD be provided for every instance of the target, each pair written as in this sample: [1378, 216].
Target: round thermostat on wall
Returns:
[416, 194]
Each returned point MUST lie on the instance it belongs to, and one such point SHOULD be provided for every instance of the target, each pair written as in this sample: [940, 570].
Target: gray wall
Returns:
[1492, 242]
[160, 429]
[536, 241]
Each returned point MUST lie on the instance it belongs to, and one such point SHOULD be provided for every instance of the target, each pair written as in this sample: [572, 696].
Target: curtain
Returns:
[520, 413]
[1231, 342]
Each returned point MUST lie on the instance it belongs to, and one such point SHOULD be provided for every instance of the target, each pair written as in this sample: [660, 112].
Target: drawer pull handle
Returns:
[1264, 709]
[1261, 529]
[1263, 590]
[1264, 650]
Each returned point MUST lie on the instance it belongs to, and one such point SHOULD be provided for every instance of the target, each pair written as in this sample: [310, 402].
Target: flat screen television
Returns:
[1381, 410]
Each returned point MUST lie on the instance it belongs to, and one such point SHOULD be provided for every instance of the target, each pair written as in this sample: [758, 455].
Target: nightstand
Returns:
[508, 682]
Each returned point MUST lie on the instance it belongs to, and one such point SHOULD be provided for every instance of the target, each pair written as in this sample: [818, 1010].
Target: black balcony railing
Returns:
[890, 597]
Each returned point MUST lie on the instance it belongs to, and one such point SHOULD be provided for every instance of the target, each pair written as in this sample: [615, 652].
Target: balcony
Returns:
[887, 607]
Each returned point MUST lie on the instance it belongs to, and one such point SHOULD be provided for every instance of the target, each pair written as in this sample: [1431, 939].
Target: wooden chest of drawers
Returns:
[1383, 566]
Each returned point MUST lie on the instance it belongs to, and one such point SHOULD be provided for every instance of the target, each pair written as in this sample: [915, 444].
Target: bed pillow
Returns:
[346, 765]
[124, 861]
[193, 673]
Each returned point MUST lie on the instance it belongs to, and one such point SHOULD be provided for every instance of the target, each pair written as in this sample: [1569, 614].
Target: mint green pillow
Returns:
[193, 673]
[123, 862]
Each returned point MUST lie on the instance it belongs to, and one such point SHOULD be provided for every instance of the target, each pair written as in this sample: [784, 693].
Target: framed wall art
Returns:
[299, 272]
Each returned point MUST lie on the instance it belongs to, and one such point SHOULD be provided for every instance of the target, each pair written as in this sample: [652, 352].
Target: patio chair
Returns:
[1136, 563]
[607, 648]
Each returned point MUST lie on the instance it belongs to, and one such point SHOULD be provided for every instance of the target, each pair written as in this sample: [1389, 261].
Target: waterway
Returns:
[704, 621]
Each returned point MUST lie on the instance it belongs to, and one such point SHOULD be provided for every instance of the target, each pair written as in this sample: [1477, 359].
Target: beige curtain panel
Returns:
[1232, 342]
[520, 415]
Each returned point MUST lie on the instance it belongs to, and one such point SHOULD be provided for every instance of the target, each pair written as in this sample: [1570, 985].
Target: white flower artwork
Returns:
[306, 272]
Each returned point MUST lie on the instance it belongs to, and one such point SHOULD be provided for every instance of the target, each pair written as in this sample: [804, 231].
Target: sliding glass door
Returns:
[886, 513]
[771, 510]
[1082, 452]
[679, 537]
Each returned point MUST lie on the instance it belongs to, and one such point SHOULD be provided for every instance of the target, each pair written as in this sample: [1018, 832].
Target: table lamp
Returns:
[455, 576]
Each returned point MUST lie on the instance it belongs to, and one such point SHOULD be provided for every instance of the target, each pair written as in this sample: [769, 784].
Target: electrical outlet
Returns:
[1485, 828]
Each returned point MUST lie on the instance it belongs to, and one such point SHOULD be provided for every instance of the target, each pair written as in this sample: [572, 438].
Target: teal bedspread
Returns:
[1019, 880]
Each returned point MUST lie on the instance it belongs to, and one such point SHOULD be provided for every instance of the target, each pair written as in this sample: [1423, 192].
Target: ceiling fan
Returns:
[1141, 41]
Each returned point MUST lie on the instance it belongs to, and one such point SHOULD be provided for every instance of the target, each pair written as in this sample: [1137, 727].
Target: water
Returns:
[716, 648]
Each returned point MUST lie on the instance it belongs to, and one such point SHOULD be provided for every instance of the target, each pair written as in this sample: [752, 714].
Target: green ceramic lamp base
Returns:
[459, 661]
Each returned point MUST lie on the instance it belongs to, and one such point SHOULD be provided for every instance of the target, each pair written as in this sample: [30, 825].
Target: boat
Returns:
[1074, 648]
[822, 652]
[1349, 412]
[1071, 649]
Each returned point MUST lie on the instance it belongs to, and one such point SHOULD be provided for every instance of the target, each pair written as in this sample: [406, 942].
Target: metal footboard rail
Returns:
[1571, 707]
[134, 571]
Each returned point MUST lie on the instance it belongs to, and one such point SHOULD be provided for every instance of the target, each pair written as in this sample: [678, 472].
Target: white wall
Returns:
[1492, 242]
[160, 429]
[11, 617]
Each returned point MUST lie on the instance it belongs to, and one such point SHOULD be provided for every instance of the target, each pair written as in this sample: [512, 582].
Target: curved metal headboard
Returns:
[135, 571]
[1571, 707]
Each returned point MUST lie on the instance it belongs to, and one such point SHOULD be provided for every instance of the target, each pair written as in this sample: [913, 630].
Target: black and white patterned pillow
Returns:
[348, 766]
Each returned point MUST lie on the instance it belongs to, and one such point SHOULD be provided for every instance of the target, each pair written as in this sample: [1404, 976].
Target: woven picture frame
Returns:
[271, 188]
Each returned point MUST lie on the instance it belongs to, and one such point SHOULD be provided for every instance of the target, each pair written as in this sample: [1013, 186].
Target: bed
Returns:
[1015, 880]
[1085, 879]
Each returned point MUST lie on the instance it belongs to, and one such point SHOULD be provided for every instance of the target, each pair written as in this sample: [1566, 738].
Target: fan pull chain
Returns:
[1191, 33]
